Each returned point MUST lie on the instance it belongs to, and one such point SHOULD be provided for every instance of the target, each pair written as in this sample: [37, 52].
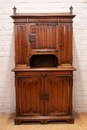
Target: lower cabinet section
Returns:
[43, 97]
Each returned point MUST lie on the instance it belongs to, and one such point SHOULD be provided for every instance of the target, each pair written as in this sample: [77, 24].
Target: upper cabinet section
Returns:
[43, 38]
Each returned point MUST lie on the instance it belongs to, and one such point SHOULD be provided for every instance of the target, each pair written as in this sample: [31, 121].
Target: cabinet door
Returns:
[21, 49]
[29, 96]
[58, 98]
[65, 51]
[43, 36]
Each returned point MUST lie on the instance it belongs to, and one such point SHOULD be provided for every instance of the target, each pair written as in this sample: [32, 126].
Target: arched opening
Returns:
[43, 61]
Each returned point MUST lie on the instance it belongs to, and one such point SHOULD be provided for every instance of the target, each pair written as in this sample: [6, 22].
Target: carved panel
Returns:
[66, 43]
[58, 89]
[29, 91]
[21, 44]
[45, 35]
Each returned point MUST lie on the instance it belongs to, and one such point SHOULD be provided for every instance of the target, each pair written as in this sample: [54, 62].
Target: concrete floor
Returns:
[7, 123]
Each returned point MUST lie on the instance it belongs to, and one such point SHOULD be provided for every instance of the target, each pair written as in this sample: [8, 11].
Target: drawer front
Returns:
[43, 73]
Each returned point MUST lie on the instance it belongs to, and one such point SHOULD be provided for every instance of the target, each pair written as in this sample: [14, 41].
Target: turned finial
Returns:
[14, 10]
[71, 9]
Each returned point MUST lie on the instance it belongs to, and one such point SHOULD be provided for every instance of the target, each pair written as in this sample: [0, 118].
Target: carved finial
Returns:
[14, 10]
[71, 9]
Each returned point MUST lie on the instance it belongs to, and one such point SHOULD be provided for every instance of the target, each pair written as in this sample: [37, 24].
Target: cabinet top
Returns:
[21, 69]
[26, 15]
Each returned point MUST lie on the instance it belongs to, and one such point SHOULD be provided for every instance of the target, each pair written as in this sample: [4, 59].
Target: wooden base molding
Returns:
[44, 119]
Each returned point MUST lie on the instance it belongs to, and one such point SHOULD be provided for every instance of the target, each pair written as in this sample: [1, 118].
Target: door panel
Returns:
[44, 35]
[21, 52]
[58, 90]
[65, 43]
[30, 102]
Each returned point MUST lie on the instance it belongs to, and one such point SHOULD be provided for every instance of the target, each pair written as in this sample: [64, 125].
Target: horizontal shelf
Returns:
[44, 51]
[28, 69]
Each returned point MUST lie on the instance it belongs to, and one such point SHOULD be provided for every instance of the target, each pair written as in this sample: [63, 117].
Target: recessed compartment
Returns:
[43, 61]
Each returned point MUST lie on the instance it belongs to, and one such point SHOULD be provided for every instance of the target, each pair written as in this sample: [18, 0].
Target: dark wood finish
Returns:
[43, 66]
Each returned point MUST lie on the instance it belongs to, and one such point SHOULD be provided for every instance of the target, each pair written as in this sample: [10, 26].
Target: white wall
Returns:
[7, 89]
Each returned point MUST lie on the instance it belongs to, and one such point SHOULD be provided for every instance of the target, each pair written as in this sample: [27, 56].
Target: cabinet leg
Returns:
[44, 121]
[71, 121]
[17, 122]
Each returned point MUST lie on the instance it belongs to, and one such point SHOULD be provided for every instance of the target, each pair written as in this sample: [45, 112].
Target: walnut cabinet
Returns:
[43, 66]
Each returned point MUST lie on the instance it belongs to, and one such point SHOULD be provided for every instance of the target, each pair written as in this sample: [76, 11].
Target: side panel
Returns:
[66, 43]
[21, 51]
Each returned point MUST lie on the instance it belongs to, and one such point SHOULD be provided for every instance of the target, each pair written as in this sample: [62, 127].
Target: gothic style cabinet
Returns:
[43, 66]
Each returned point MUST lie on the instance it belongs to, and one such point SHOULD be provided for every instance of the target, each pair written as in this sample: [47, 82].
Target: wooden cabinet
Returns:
[43, 67]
